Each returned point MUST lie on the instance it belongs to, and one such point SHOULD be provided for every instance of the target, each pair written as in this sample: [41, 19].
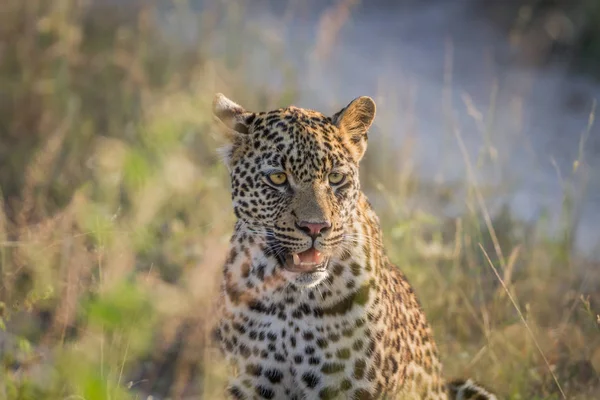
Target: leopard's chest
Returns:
[301, 348]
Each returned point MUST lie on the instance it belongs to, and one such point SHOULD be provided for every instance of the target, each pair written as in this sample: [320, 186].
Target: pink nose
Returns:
[313, 228]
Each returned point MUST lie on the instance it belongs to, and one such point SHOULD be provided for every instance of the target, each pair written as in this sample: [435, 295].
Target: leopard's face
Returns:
[294, 176]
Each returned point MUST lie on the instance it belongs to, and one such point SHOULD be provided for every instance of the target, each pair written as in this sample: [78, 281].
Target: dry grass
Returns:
[114, 218]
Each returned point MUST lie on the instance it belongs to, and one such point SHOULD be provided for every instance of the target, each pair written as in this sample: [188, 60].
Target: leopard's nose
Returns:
[314, 229]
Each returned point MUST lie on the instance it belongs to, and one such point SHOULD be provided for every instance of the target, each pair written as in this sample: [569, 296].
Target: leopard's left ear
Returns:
[234, 122]
[231, 115]
[354, 121]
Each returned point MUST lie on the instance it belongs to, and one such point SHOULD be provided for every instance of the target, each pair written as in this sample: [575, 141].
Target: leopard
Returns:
[310, 305]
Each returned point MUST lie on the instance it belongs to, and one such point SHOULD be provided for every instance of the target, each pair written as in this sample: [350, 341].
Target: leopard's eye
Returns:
[277, 178]
[335, 178]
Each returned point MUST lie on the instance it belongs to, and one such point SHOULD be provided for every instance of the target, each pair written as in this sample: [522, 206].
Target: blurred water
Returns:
[416, 58]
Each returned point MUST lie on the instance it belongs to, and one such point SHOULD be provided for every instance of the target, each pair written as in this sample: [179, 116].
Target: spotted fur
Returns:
[353, 327]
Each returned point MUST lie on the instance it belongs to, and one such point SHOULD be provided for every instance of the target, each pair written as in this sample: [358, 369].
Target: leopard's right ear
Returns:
[231, 116]
[234, 122]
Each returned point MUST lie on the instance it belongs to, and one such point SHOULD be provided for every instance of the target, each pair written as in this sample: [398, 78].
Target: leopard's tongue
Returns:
[307, 260]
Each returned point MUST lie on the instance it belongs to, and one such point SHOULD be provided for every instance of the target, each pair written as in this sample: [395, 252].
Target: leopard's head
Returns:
[294, 177]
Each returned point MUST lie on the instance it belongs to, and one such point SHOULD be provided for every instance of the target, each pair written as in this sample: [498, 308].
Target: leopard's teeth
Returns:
[296, 258]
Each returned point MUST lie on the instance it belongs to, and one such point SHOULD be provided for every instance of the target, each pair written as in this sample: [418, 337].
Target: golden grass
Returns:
[114, 218]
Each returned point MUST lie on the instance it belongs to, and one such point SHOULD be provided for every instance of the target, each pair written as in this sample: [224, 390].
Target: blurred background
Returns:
[483, 164]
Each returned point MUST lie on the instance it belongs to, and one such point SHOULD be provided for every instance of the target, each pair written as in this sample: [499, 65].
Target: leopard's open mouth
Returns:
[311, 260]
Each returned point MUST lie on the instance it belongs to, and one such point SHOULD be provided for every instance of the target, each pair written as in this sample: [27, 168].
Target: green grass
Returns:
[114, 217]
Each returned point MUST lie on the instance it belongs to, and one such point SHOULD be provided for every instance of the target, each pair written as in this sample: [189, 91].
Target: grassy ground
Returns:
[114, 214]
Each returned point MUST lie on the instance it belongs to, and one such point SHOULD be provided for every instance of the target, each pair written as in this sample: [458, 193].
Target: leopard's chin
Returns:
[307, 280]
